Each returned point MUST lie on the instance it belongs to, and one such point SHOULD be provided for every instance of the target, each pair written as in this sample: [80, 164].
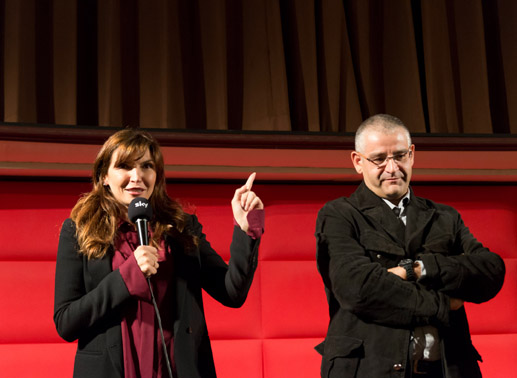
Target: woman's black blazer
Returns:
[90, 298]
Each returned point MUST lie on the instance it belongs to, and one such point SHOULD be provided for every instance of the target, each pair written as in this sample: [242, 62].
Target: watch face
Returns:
[406, 262]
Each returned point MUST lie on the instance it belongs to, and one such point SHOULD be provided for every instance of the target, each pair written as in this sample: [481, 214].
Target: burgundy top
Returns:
[141, 339]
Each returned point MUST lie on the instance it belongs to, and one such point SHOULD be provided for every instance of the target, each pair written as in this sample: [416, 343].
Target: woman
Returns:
[102, 296]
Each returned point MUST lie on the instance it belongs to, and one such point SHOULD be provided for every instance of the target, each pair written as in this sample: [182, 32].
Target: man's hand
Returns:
[398, 271]
[418, 270]
[401, 272]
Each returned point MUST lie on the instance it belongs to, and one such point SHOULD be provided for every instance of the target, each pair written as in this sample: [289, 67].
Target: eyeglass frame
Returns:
[408, 152]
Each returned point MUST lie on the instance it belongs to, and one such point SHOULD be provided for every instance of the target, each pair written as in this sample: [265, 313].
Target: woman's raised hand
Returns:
[245, 201]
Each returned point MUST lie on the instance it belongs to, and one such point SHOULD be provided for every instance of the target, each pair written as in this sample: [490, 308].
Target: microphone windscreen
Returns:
[140, 208]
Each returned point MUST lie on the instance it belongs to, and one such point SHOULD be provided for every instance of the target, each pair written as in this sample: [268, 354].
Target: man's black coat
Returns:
[372, 311]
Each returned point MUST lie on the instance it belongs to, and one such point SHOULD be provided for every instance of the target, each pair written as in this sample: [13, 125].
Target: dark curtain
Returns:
[441, 66]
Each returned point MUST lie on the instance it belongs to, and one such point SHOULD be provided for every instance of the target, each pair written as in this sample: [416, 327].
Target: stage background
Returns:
[230, 87]
[285, 316]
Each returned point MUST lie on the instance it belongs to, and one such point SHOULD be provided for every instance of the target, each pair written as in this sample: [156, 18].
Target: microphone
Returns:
[140, 213]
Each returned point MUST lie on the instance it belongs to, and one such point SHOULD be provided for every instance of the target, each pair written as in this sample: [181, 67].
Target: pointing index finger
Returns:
[249, 183]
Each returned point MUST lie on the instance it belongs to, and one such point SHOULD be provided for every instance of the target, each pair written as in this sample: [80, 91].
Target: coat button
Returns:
[378, 256]
[397, 367]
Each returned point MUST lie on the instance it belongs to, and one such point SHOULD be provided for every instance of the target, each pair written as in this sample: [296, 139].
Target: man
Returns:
[397, 269]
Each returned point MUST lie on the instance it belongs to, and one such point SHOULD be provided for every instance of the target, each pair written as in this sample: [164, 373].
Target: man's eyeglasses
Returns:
[382, 161]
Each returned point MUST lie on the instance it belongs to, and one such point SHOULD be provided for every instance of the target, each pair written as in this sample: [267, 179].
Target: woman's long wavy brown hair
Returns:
[97, 214]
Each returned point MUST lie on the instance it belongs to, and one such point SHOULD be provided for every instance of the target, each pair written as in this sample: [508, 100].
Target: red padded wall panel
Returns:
[31, 215]
[27, 304]
[37, 360]
[238, 358]
[498, 353]
[236, 323]
[290, 232]
[217, 221]
[41, 194]
[286, 358]
[39, 242]
[285, 316]
[293, 301]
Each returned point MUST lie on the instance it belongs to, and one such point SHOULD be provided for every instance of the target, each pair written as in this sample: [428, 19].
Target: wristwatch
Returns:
[408, 264]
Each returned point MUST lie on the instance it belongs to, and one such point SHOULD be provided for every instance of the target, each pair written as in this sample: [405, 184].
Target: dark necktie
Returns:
[400, 227]
[397, 211]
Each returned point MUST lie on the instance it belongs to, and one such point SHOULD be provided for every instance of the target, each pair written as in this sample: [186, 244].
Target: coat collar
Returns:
[419, 214]
[372, 206]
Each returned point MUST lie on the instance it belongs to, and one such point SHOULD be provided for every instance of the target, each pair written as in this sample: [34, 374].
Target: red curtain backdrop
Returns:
[442, 66]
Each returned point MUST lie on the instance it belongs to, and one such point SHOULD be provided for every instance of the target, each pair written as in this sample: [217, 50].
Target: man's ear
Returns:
[357, 161]
[412, 149]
